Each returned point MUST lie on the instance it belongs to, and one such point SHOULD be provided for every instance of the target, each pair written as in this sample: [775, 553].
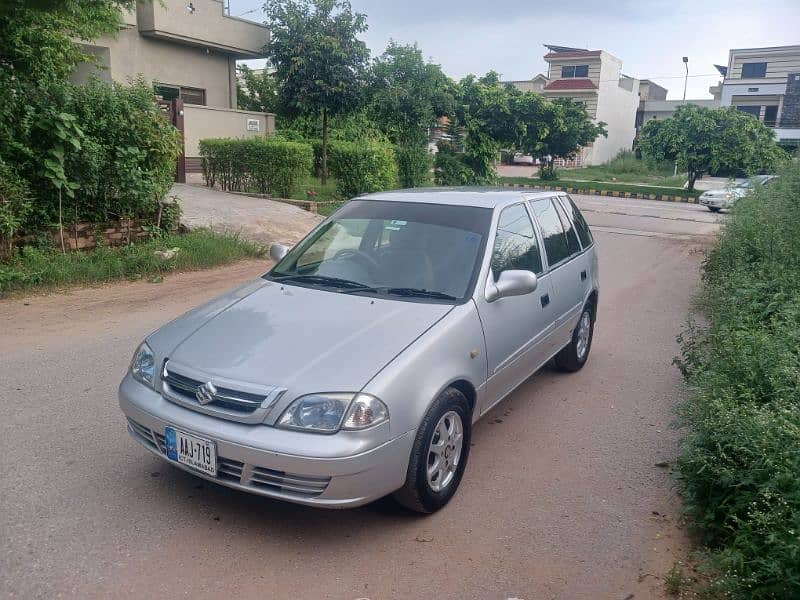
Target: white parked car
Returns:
[523, 159]
[716, 200]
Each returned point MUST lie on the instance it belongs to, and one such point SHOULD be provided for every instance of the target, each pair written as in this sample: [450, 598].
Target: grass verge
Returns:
[35, 269]
[739, 469]
[649, 190]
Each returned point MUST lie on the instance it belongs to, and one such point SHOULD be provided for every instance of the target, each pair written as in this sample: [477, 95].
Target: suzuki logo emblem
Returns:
[206, 393]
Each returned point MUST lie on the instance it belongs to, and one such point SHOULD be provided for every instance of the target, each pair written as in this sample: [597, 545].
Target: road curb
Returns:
[608, 193]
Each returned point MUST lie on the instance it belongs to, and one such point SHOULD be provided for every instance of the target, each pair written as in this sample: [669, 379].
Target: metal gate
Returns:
[173, 110]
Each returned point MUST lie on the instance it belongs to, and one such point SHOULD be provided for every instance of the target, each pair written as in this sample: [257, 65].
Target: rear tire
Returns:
[574, 355]
[442, 447]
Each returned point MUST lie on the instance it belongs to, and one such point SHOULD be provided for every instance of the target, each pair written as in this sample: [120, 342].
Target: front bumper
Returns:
[247, 461]
[716, 202]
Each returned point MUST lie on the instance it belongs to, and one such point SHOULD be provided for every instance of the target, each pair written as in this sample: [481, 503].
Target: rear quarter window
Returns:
[581, 226]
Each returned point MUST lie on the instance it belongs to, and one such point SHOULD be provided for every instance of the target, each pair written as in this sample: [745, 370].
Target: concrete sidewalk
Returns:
[262, 221]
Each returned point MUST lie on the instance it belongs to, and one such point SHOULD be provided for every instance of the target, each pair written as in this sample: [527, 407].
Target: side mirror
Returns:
[277, 251]
[510, 283]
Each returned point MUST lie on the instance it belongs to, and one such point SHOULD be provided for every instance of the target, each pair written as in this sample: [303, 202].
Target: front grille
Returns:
[228, 469]
[227, 399]
[142, 433]
[300, 485]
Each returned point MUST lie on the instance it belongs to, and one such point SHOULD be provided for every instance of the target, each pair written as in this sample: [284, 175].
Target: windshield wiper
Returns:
[323, 280]
[419, 293]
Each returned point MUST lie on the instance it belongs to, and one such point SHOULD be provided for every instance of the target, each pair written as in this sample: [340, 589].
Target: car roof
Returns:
[489, 197]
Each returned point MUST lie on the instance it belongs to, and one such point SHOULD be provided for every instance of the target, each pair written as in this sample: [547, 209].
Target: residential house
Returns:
[765, 82]
[188, 49]
[595, 78]
[653, 103]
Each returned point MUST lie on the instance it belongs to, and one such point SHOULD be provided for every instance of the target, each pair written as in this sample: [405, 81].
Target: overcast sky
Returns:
[649, 36]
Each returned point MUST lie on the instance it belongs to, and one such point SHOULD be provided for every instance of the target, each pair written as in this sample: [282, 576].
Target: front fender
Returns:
[452, 350]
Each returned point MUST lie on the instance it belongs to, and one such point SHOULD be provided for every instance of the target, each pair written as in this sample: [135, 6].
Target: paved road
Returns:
[563, 496]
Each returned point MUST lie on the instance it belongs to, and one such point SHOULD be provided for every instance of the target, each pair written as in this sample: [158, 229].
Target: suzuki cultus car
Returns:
[356, 367]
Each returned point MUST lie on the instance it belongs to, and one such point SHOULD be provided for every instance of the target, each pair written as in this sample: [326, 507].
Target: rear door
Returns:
[517, 329]
[565, 265]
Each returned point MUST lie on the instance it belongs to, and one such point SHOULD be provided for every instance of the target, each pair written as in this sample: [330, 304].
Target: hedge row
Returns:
[740, 465]
[263, 165]
[277, 165]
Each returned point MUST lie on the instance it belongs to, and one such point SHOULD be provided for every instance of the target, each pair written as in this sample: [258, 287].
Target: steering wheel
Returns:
[359, 255]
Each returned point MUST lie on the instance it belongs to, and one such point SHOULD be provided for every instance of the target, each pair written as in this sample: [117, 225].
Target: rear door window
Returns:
[581, 227]
[556, 245]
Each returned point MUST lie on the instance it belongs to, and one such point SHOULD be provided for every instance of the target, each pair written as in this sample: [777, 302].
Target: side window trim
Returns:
[565, 215]
[565, 201]
[546, 266]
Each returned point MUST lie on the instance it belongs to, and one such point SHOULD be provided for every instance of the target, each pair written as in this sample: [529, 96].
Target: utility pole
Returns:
[686, 78]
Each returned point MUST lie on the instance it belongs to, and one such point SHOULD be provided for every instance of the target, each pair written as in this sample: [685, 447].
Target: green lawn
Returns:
[35, 269]
[327, 195]
[606, 174]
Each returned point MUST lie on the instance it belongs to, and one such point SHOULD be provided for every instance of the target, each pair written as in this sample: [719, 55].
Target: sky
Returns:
[649, 36]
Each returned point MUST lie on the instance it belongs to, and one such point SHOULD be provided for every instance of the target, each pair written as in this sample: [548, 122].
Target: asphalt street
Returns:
[567, 493]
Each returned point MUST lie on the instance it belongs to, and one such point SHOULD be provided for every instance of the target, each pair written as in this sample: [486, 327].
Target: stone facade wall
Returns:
[84, 236]
[790, 116]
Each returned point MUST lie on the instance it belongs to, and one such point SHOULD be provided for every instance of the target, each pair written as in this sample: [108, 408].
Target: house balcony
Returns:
[202, 23]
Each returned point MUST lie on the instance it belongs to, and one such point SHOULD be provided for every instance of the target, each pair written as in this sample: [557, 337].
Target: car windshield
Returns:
[401, 249]
[754, 181]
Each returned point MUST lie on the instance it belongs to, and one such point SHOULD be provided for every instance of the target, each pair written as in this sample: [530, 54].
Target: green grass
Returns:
[603, 173]
[604, 186]
[675, 582]
[36, 269]
[327, 195]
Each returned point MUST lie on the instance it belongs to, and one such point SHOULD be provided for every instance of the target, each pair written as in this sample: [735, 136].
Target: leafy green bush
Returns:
[111, 146]
[15, 204]
[265, 165]
[450, 168]
[362, 168]
[414, 165]
[740, 465]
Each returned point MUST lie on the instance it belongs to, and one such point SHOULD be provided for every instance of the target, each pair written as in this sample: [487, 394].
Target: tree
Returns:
[259, 92]
[407, 94]
[568, 129]
[711, 139]
[318, 59]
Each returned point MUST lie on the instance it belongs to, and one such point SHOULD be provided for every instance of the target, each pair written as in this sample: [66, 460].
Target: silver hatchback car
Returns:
[357, 366]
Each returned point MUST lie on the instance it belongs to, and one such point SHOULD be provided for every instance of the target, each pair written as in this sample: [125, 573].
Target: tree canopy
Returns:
[407, 94]
[319, 61]
[703, 139]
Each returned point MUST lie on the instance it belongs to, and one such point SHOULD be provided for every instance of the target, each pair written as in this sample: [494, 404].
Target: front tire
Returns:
[439, 455]
[714, 209]
[573, 356]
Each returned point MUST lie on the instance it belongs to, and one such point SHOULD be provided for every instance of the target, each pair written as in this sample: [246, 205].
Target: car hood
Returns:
[302, 338]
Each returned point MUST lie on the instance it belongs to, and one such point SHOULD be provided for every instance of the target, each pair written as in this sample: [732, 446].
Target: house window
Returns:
[193, 96]
[756, 69]
[751, 110]
[575, 71]
[188, 94]
[770, 116]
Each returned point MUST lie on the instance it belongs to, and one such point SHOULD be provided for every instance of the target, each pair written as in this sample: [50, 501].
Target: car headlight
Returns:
[328, 413]
[143, 365]
[728, 196]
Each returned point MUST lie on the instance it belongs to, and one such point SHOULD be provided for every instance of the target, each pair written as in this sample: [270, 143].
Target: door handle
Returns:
[545, 300]
[583, 275]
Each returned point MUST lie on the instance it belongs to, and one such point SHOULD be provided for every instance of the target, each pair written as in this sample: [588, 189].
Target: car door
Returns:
[516, 328]
[567, 271]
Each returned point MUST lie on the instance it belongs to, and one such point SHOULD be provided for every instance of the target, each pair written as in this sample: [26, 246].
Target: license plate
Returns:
[195, 452]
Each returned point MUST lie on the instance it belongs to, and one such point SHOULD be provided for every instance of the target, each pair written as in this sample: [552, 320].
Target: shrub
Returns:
[362, 168]
[450, 168]
[414, 165]
[264, 165]
[120, 162]
[740, 462]
[15, 204]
